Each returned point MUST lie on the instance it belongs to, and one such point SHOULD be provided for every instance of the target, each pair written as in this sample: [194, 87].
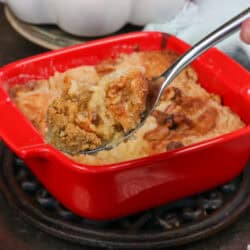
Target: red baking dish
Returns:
[110, 191]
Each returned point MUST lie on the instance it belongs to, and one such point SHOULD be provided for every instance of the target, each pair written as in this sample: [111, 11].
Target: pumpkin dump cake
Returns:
[87, 106]
[87, 117]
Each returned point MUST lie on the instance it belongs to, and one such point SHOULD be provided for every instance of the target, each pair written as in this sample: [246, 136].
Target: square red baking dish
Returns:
[110, 191]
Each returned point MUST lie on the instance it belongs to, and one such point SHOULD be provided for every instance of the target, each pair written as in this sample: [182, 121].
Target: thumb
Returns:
[245, 31]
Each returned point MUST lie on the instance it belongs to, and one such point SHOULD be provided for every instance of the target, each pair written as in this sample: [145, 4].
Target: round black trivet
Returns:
[173, 224]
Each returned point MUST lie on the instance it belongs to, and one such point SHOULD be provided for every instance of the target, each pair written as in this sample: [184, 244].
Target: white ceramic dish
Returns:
[94, 17]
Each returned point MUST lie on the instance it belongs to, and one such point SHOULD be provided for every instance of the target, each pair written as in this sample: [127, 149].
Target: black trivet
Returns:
[173, 224]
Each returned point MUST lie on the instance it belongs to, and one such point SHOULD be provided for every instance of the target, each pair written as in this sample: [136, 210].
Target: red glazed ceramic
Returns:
[115, 190]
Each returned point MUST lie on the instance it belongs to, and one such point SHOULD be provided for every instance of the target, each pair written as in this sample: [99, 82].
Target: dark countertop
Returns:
[16, 234]
[12, 45]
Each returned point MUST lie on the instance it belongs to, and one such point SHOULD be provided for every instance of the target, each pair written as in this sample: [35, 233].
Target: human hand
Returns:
[245, 31]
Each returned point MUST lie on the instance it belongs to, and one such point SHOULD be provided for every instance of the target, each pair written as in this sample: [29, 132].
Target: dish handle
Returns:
[16, 130]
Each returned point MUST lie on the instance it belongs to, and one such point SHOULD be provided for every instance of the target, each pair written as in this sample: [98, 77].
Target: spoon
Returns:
[159, 84]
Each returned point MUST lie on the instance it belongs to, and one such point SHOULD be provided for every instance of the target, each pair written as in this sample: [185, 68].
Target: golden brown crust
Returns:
[207, 120]
[66, 130]
[105, 67]
[87, 107]
[125, 99]
[177, 117]
[156, 62]
[71, 126]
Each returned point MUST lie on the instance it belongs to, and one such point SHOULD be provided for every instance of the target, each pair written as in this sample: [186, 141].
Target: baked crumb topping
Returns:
[70, 126]
[125, 99]
[73, 125]
[90, 105]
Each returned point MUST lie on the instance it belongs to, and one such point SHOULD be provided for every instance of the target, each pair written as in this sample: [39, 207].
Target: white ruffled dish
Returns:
[94, 17]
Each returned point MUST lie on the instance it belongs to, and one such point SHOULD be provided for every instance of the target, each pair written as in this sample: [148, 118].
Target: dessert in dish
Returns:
[85, 106]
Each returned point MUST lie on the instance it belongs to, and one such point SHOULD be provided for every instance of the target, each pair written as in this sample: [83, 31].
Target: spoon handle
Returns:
[204, 44]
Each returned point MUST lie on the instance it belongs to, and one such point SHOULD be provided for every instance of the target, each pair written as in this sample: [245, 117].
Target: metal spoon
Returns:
[158, 85]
